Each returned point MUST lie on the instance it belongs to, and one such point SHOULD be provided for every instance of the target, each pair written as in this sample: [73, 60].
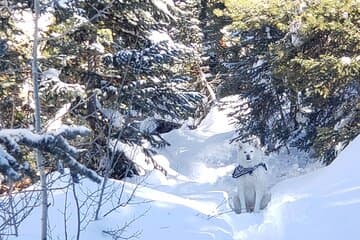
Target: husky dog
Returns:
[251, 177]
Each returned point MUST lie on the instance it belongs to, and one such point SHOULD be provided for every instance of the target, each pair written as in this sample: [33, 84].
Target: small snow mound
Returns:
[215, 122]
[201, 173]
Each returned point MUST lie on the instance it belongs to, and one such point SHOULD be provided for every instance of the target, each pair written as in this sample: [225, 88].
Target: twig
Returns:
[118, 233]
[77, 211]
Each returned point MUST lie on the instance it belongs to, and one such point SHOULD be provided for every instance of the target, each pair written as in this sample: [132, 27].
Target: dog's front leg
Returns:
[236, 204]
[259, 194]
[241, 193]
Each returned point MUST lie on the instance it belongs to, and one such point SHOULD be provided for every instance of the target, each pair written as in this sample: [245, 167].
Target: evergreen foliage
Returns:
[297, 65]
[14, 68]
[114, 66]
[53, 143]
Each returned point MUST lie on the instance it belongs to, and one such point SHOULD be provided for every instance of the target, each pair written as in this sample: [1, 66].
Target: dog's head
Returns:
[249, 153]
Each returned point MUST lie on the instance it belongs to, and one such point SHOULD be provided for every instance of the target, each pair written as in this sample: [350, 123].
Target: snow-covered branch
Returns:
[53, 143]
[144, 60]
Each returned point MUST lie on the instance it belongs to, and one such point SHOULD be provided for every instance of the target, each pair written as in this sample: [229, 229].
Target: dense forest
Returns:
[85, 83]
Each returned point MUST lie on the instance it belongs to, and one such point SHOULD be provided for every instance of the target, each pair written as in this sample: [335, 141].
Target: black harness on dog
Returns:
[240, 170]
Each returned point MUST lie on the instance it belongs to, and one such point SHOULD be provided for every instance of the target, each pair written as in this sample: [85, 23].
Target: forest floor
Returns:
[191, 202]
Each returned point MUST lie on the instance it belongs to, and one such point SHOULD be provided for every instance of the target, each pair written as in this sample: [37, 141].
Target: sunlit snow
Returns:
[191, 201]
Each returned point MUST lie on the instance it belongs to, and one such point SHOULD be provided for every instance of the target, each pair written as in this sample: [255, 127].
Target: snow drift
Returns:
[191, 202]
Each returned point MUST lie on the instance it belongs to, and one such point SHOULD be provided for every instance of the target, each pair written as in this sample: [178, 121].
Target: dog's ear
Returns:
[239, 145]
[256, 142]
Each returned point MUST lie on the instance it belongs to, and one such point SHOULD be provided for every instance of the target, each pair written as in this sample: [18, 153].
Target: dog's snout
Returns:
[248, 157]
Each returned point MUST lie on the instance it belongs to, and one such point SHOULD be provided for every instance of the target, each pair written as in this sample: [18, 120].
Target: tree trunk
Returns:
[39, 157]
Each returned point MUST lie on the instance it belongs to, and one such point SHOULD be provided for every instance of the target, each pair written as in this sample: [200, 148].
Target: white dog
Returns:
[251, 176]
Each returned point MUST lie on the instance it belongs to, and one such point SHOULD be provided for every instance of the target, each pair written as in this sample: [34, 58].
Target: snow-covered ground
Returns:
[191, 202]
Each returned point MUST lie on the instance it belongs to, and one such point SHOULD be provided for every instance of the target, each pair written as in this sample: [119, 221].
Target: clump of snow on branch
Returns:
[157, 36]
[115, 117]
[6, 163]
[51, 82]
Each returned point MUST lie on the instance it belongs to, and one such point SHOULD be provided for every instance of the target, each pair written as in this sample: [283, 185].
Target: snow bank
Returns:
[191, 202]
[324, 204]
